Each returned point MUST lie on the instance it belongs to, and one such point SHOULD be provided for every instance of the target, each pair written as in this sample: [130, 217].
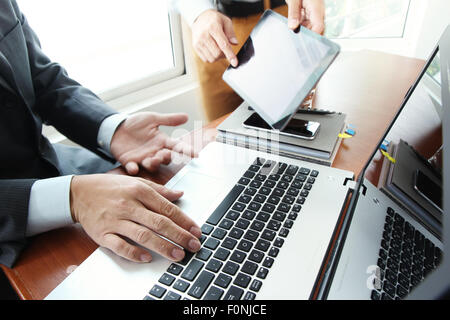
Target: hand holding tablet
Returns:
[279, 67]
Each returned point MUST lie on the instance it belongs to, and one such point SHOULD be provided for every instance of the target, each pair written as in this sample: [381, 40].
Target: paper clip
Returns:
[387, 155]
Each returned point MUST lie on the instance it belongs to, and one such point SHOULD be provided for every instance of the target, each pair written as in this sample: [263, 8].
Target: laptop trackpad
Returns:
[194, 203]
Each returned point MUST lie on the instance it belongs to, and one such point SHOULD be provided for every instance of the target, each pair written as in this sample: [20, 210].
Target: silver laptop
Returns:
[269, 225]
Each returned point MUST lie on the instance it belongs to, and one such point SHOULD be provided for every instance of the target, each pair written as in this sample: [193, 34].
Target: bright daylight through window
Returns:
[104, 44]
[366, 18]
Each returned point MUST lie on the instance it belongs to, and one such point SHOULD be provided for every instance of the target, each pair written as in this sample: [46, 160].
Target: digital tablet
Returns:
[279, 67]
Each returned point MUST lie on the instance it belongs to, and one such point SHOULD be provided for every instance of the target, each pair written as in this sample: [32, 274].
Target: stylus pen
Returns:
[313, 111]
[310, 111]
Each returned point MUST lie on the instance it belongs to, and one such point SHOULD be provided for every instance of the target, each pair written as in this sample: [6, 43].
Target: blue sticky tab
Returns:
[350, 132]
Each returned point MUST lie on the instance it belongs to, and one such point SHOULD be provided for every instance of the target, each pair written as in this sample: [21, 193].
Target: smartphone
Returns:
[296, 128]
[428, 189]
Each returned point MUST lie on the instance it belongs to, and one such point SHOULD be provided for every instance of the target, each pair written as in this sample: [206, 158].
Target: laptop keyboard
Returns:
[406, 256]
[242, 237]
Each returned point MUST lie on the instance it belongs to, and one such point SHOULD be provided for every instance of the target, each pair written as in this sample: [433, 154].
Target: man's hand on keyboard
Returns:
[115, 209]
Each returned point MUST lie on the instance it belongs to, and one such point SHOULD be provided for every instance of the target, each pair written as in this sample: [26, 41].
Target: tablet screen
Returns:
[278, 68]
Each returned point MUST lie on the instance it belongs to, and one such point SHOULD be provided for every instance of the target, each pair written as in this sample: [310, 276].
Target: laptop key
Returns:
[172, 296]
[292, 170]
[244, 181]
[279, 216]
[192, 269]
[201, 284]
[263, 216]
[293, 216]
[229, 243]
[234, 293]
[250, 191]
[256, 285]
[288, 224]
[257, 225]
[242, 223]
[232, 215]
[262, 273]
[214, 265]
[264, 191]
[274, 252]
[223, 207]
[238, 207]
[268, 208]
[187, 257]
[157, 291]
[214, 293]
[274, 225]
[251, 235]
[206, 229]
[166, 279]
[256, 256]
[255, 184]
[245, 198]
[283, 232]
[245, 245]
[249, 296]
[249, 174]
[268, 262]
[268, 235]
[249, 267]
[242, 280]
[181, 285]
[248, 214]
[230, 268]
[278, 242]
[219, 233]
[222, 254]
[174, 269]
[211, 243]
[236, 233]
[238, 256]
[262, 245]
[222, 280]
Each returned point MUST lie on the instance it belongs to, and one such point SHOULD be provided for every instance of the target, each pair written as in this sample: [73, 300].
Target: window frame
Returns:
[179, 68]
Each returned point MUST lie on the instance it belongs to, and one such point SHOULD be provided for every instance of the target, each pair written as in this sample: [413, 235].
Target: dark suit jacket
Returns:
[34, 90]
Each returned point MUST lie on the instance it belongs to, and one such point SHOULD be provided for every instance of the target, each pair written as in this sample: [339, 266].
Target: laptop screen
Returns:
[408, 164]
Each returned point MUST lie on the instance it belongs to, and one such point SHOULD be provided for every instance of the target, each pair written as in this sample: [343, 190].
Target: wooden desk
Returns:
[368, 86]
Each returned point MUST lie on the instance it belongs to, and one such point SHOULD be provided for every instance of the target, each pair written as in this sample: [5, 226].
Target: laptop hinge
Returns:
[350, 183]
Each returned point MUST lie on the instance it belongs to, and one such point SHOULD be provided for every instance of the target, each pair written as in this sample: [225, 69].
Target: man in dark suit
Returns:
[45, 186]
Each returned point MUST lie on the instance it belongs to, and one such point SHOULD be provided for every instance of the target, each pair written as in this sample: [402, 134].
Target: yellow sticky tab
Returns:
[387, 155]
[344, 135]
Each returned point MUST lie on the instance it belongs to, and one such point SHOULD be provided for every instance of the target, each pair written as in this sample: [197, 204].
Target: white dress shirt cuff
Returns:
[49, 206]
[107, 130]
[191, 9]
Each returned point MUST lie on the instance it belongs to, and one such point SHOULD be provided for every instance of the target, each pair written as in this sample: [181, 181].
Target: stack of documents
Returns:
[322, 149]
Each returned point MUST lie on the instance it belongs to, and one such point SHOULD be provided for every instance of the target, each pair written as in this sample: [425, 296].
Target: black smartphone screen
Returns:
[297, 127]
[428, 188]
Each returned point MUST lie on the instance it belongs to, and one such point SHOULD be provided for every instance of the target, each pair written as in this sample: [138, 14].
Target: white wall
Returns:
[436, 19]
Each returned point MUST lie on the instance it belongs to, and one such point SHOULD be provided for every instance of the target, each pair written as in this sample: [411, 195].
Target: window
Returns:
[366, 18]
[112, 47]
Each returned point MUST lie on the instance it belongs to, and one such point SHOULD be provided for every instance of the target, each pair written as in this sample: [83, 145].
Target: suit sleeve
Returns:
[61, 102]
[14, 201]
